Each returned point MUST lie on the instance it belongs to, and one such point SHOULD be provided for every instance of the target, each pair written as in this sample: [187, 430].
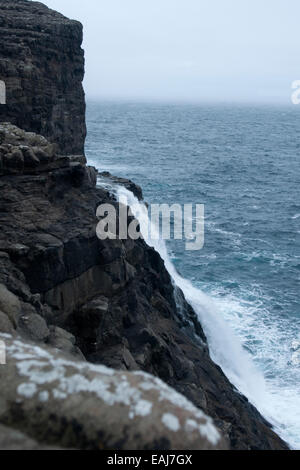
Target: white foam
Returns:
[280, 406]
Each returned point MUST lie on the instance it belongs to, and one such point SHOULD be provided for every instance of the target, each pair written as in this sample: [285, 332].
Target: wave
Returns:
[226, 349]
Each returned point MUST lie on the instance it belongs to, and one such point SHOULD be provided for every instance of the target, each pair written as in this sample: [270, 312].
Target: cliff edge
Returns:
[42, 65]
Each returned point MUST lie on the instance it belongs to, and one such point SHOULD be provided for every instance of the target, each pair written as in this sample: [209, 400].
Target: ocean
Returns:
[243, 163]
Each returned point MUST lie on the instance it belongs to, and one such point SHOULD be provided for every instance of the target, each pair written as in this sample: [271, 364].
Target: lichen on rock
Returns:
[100, 406]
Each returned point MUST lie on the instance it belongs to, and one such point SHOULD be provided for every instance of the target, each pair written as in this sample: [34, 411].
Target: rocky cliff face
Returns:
[42, 64]
[103, 302]
[109, 302]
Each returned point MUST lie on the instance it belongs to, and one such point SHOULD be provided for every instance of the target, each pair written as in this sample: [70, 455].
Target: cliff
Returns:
[42, 65]
[108, 303]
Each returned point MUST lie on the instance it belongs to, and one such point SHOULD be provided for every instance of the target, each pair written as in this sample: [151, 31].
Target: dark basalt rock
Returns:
[42, 65]
[128, 184]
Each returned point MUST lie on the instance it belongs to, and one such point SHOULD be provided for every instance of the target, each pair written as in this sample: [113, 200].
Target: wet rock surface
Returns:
[126, 183]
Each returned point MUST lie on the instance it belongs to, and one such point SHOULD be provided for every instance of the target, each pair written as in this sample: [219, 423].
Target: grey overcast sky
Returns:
[190, 50]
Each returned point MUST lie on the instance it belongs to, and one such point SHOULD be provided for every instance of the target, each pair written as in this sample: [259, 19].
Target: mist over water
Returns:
[243, 164]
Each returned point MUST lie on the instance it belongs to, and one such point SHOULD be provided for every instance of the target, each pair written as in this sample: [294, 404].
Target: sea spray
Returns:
[225, 348]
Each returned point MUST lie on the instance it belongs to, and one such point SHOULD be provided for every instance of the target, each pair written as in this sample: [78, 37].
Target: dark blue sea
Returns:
[243, 163]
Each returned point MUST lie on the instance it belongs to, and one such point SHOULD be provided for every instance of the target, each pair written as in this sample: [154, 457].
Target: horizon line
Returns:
[197, 102]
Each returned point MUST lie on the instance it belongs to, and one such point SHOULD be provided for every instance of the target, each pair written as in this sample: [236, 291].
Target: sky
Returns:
[189, 50]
